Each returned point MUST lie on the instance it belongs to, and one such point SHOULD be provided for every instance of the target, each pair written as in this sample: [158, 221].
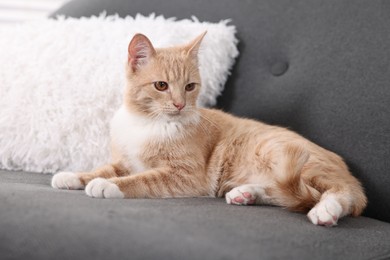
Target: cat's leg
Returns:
[249, 194]
[327, 211]
[340, 194]
[155, 183]
[338, 202]
[77, 181]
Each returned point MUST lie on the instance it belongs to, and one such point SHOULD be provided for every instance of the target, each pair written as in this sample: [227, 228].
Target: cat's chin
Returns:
[174, 117]
[181, 117]
[176, 114]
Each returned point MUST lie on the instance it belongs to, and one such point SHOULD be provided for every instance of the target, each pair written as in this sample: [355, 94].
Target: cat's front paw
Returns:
[66, 180]
[326, 212]
[240, 196]
[103, 188]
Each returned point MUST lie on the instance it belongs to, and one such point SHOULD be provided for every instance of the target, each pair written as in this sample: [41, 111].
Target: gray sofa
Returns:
[321, 68]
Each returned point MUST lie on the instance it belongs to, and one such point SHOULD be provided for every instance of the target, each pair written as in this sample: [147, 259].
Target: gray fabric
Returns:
[320, 68]
[38, 222]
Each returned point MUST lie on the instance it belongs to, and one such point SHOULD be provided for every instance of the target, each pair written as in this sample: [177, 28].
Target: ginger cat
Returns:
[164, 146]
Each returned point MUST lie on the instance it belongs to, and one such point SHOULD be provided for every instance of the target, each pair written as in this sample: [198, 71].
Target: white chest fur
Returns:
[130, 132]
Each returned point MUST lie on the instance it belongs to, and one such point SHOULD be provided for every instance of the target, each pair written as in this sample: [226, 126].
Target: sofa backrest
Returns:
[321, 68]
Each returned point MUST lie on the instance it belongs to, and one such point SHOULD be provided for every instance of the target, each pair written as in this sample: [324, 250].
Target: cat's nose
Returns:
[179, 106]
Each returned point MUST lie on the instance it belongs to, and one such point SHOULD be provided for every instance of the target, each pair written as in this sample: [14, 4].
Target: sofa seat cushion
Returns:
[39, 222]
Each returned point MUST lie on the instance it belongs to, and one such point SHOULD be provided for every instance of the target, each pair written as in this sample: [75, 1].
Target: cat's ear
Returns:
[140, 51]
[193, 47]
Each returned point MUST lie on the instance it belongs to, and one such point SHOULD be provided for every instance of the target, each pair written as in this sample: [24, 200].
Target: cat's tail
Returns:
[291, 191]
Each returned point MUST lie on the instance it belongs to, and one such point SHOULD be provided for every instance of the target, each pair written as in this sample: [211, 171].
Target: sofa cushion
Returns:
[320, 68]
[39, 222]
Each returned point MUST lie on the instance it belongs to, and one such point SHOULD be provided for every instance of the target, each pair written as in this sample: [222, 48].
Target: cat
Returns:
[164, 146]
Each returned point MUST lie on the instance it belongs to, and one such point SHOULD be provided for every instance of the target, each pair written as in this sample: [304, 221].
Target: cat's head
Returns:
[163, 83]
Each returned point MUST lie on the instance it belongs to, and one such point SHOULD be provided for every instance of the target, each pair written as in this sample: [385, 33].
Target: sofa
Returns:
[320, 68]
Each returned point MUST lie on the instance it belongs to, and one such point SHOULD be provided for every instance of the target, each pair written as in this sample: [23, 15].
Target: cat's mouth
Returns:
[179, 115]
[184, 114]
[173, 113]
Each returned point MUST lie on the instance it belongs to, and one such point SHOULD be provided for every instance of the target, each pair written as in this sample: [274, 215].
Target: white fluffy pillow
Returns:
[61, 81]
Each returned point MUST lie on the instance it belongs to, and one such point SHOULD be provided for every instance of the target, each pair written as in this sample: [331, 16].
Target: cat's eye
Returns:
[161, 85]
[190, 87]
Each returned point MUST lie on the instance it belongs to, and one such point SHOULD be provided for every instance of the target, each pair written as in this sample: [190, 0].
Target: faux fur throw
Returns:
[62, 80]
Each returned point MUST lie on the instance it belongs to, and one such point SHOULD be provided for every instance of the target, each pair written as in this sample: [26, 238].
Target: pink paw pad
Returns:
[247, 195]
[238, 199]
[241, 197]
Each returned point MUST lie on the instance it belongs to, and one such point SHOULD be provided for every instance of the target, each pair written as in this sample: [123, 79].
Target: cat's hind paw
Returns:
[66, 180]
[103, 188]
[326, 212]
[240, 197]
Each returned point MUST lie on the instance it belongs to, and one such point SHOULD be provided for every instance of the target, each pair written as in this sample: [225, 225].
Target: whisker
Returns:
[155, 114]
